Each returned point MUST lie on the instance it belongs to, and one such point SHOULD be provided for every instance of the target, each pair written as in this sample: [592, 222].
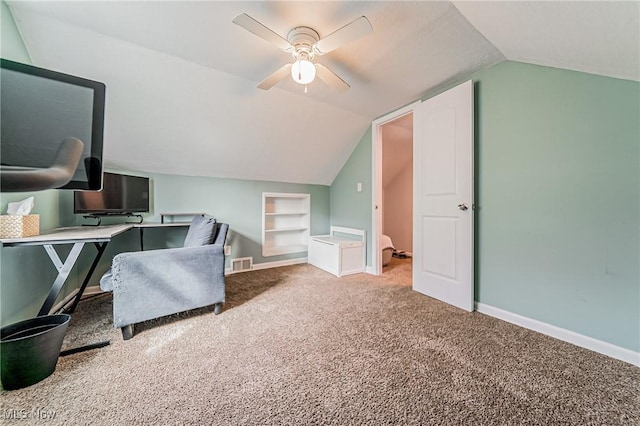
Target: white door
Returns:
[443, 197]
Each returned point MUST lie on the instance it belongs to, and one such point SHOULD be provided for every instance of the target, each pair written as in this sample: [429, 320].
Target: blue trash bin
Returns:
[29, 349]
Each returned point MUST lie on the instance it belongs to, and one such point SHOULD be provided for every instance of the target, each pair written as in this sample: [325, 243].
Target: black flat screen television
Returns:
[39, 108]
[120, 195]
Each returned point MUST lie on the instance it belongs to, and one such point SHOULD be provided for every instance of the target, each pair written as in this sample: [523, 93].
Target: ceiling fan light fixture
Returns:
[304, 44]
[303, 71]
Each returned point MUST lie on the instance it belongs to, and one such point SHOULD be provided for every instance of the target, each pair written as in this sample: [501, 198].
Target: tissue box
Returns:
[19, 226]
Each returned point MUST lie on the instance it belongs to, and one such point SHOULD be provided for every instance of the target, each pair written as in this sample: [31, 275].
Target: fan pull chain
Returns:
[305, 88]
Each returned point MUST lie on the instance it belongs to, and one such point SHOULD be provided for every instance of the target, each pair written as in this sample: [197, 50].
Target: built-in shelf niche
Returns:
[286, 220]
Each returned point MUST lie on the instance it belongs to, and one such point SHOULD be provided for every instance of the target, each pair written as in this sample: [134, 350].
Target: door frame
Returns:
[376, 179]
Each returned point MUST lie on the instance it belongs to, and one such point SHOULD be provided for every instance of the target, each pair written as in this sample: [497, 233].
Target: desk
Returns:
[78, 236]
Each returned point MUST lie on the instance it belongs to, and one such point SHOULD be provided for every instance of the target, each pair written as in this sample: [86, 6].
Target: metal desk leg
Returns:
[101, 247]
[63, 272]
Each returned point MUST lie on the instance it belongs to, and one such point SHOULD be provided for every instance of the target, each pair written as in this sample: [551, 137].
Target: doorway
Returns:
[443, 266]
[396, 239]
[392, 139]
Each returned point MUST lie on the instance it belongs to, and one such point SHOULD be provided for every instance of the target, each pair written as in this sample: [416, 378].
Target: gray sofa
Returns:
[156, 283]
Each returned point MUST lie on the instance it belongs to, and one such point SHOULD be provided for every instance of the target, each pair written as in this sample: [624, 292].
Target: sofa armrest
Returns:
[221, 235]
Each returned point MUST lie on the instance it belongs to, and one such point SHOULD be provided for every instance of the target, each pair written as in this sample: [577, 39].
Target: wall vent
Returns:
[241, 264]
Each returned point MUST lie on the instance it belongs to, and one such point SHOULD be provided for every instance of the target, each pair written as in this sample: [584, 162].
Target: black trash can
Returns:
[29, 349]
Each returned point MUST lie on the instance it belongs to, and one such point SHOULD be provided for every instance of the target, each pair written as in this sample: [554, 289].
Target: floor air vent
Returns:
[242, 264]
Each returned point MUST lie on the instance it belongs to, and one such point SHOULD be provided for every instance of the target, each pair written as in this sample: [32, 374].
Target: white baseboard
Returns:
[89, 291]
[577, 339]
[92, 291]
[279, 263]
[267, 265]
[61, 304]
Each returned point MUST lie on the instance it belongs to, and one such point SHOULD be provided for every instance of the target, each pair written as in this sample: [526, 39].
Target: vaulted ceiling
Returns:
[181, 77]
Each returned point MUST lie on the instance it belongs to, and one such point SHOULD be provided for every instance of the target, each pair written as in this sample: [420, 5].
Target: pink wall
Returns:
[397, 182]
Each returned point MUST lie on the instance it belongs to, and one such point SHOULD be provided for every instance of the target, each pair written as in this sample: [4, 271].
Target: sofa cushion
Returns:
[201, 231]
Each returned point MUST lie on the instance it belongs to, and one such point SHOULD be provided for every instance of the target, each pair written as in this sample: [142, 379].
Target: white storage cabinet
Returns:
[337, 254]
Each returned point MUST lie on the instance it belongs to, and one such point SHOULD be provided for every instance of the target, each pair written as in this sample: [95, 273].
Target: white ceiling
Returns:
[597, 37]
[181, 76]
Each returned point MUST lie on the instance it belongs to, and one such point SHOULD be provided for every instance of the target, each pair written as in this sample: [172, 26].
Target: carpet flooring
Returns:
[298, 346]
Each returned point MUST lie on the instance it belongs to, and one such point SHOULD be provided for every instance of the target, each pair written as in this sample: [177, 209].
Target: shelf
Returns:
[285, 223]
[286, 214]
[286, 229]
[174, 215]
[162, 225]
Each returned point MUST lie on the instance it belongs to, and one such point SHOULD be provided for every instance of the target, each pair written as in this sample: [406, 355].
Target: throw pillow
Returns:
[201, 231]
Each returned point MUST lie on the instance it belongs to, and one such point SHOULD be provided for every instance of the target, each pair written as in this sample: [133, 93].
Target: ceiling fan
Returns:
[304, 44]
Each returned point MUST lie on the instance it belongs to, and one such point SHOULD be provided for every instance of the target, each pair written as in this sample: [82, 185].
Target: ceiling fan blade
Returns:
[274, 78]
[344, 35]
[331, 79]
[253, 26]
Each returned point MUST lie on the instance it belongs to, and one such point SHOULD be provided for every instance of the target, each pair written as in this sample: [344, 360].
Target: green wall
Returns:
[233, 201]
[349, 207]
[25, 271]
[558, 197]
[238, 203]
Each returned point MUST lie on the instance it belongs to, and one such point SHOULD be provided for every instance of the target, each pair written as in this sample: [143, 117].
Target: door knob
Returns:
[463, 207]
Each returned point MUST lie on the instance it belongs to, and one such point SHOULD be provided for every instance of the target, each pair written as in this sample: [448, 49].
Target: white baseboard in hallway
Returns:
[569, 336]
